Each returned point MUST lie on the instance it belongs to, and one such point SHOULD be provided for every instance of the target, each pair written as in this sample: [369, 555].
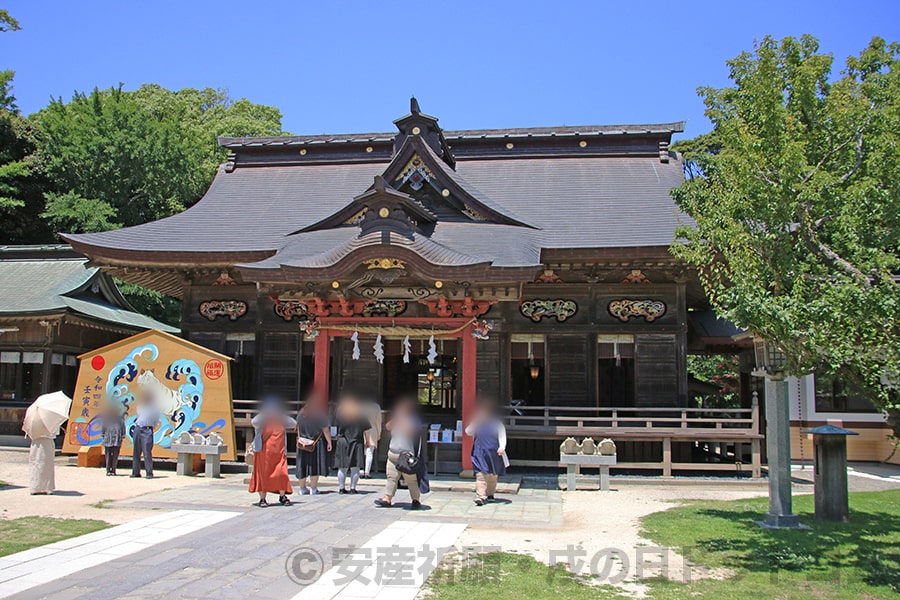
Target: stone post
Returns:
[778, 449]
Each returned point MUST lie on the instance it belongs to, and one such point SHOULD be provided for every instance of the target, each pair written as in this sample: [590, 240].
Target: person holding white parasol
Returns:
[42, 422]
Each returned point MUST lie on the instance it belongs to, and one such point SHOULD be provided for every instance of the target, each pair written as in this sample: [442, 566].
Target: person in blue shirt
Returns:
[489, 459]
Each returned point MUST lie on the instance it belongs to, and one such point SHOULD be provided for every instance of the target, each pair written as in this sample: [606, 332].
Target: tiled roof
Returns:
[497, 197]
[461, 134]
[115, 314]
[35, 286]
[590, 202]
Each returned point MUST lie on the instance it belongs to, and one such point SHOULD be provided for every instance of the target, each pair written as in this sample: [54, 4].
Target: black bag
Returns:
[407, 462]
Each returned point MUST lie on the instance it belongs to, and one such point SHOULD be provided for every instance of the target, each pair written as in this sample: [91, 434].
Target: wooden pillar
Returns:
[667, 457]
[322, 358]
[756, 460]
[469, 391]
[681, 357]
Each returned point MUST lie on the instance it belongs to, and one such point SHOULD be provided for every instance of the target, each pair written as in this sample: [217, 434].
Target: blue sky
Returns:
[351, 66]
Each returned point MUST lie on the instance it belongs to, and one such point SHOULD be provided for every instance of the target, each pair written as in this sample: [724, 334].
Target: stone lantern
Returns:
[771, 364]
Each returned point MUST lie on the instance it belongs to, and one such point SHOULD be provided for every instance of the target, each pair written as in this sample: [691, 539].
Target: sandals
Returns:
[262, 504]
[285, 501]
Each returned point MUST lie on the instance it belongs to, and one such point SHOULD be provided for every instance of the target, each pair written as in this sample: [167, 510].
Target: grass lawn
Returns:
[27, 532]
[502, 576]
[859, 559]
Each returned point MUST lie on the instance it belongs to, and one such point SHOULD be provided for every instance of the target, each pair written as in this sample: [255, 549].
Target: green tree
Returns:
[21, 183]
[723, 372]
[117, 158]
[8, 22]
[795, 198]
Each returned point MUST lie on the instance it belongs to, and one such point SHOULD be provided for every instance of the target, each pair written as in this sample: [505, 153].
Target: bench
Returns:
[574, 462]
[188, 452]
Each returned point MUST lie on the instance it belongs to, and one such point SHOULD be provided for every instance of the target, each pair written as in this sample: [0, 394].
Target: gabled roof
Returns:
[516, 193]
[38, 281]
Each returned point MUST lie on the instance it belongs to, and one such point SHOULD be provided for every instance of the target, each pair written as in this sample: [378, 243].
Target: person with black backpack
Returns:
[404, 452]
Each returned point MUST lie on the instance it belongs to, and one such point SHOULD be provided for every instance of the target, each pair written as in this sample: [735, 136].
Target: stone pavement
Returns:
[31, 568]
[275, 552]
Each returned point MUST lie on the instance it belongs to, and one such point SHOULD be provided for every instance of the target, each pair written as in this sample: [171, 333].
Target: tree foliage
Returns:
[8, 22]
[722, 371]
[116, 158]
[21, 181]
[795, 198]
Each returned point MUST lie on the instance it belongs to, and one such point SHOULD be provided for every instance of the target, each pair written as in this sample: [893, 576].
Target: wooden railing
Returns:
[722, 433]
[244, 410]
[624, 419]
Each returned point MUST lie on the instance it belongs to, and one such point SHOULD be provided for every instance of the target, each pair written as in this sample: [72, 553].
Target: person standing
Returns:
[142, 435]
[270, 470]
[406, 431]
[349, 453]
[489, 458]
[313, 445]
[373, 411]
[113, 428]
[41, 475]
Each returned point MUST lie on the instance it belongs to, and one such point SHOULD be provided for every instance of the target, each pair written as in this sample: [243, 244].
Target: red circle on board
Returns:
[214, 368]
[98, 362]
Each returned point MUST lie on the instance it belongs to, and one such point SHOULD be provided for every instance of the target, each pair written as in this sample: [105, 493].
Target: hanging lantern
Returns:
[533, 369]
[769, 357]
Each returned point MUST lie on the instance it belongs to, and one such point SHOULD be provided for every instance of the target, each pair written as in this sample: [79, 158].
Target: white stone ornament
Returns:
[379, 350]
[355, 338]
[432, 351]
[406, 349]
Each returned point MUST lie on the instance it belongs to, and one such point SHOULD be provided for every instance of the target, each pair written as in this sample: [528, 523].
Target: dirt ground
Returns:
[595, 522]
[598, 524]
[78, 491]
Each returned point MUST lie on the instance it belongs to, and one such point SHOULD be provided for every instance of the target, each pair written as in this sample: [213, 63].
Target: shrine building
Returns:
[530, 264]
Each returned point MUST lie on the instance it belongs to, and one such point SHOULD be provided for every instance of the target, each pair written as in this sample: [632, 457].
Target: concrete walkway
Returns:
[60, 561]
[211, 542]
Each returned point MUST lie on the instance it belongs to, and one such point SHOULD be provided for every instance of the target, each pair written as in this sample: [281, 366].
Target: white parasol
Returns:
[46, 414]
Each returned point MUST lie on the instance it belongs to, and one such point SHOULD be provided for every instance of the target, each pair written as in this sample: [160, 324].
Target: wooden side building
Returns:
[535, 259]
[53, 307]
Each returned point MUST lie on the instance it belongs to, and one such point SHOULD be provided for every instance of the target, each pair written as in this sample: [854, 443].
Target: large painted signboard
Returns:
[192, 384]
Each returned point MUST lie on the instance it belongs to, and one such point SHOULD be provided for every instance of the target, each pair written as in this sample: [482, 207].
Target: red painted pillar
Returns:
[469, 390]
[322, 356]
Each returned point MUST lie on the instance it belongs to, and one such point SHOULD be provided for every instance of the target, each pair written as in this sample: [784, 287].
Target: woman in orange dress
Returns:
[270, 470]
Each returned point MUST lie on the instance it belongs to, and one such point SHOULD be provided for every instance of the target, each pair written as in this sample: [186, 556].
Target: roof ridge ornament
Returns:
[418, 124]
